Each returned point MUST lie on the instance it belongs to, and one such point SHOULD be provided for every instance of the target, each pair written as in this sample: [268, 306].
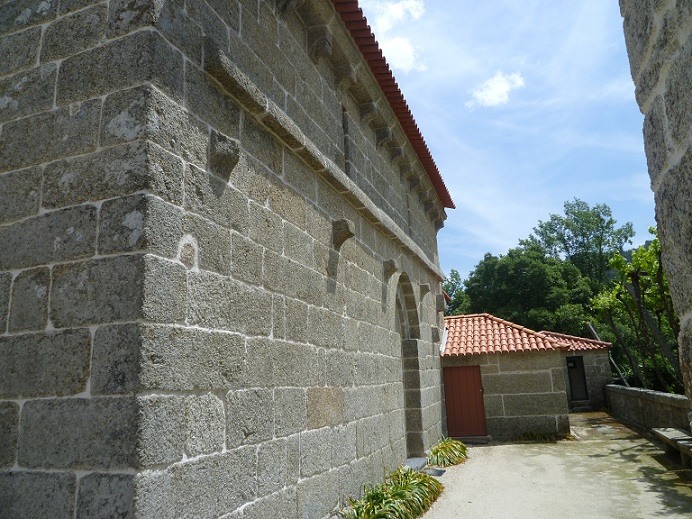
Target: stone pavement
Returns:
[610, 472]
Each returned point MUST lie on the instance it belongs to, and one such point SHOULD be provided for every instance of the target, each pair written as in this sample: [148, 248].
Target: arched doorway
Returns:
[408, 326]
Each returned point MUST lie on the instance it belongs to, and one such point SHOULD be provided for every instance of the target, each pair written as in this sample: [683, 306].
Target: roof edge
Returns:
[356, 23]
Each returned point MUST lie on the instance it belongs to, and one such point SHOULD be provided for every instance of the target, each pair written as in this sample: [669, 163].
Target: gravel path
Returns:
[608, 472]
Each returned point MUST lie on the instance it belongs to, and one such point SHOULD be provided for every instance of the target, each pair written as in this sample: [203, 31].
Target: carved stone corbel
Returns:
[319, 42]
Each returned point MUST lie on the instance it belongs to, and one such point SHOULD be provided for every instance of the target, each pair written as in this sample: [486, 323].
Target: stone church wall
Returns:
[659, 44]
[219, 282]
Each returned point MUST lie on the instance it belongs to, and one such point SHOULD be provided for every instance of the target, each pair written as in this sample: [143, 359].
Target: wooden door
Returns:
[464, 400]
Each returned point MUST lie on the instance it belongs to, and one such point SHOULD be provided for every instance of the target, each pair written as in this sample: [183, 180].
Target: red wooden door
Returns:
[464, 399]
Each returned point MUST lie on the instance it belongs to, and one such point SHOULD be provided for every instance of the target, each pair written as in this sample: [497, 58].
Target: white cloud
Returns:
[399, 51]
[401, 54]
[495, 91]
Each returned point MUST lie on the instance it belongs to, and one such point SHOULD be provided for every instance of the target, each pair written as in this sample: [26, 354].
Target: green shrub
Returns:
[405, 494]
[447, 452]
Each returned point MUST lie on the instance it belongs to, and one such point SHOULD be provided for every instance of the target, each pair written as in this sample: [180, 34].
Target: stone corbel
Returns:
[346, 77]
[283, 8]
[319, 42]
[224, 154]
[389, 267]
[342, 230]
[368, 111]
[424, 289]
[397, 156]
[383, 136]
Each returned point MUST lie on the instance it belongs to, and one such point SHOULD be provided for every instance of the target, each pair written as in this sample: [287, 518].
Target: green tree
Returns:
[454, 287]
[528, 287]
[585, 236]
[637, 308]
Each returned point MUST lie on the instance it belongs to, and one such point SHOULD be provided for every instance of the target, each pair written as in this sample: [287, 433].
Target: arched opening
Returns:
[408, 325]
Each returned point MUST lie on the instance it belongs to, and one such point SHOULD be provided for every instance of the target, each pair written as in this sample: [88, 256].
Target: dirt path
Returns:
[610, 472]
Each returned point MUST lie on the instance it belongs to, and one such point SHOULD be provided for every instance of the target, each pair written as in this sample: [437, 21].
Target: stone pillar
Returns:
[659, 45]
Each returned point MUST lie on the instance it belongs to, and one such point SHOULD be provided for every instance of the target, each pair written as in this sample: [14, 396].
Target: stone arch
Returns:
[407, 324]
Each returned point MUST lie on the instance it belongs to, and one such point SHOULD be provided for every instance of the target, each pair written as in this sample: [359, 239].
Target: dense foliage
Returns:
[572, 271]
[405, 494]
[638, 311]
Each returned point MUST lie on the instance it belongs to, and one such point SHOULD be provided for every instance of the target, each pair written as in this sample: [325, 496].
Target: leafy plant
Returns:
[405, 494]
[447, 452]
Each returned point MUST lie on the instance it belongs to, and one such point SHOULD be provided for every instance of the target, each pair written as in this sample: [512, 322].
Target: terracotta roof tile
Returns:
[357, 24]
[577, 343]
[483, 333]
[478, 334]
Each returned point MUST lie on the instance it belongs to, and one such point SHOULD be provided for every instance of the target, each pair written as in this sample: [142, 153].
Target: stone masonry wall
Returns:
[522, 392]
[658, 34]
[210, 222]
[648, 408]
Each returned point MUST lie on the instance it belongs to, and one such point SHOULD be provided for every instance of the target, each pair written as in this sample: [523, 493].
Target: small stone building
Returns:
[504, 380]
[588, 370]
[219, 278]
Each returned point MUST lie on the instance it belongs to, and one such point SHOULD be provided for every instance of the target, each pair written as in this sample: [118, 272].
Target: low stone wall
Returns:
[648, 408]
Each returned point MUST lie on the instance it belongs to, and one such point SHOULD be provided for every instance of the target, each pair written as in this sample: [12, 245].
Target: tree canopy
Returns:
[585, 236]
[572, 271]
[529, 287]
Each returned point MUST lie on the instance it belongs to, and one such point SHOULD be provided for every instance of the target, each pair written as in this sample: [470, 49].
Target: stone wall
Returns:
[217, 296]
[648, 408]
[659, 44]
[597, 372]
[522, 392]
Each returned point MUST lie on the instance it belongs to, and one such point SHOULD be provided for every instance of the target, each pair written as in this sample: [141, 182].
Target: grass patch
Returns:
[405, 494]
[447, 452]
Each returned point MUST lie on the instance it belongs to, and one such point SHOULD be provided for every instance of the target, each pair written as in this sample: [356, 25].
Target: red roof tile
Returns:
[477, 334]
[483, 333]
[577, 343]
[357, 24]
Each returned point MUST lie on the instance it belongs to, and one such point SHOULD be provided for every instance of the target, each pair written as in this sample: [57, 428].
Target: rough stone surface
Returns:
[59, 236]
[20, 50]
[250, 415]
[74, 33]
[208, 487]
[5, 284]
[30, 300]
[28, 92]
[115, 171]
[44, 364]
[206, 424]
[170, 177]
[65, 131]
[668, 135]
[49, 440]
[37, 494]
[142, 56]
[139, 223]
[105, 495]
[9, 433]
[161, 430]
[19, 194]
[648, 408]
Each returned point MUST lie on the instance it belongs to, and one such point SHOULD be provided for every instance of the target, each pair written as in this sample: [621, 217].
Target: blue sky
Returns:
[524, 105]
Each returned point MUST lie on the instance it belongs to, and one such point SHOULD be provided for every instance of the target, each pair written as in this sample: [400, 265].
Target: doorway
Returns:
[464, 401]
[577, 379]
